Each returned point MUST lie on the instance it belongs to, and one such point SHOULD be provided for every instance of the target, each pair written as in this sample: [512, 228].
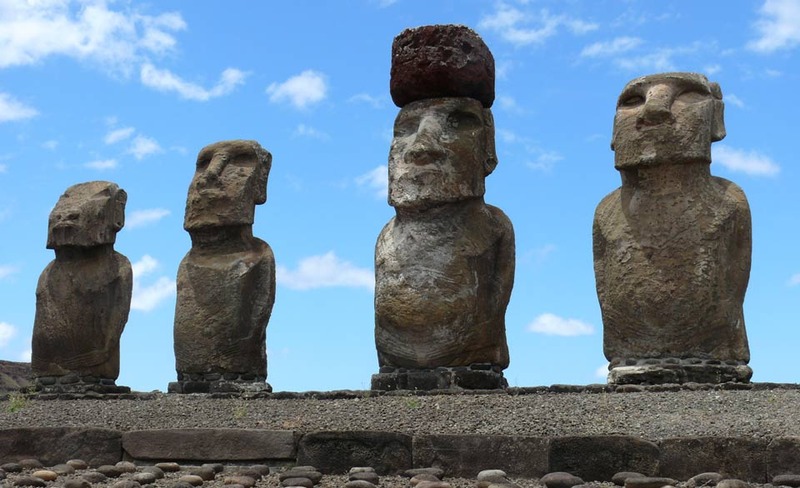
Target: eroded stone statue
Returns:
[226, 283]
[444, 265]
[672, 245]
[84, 295]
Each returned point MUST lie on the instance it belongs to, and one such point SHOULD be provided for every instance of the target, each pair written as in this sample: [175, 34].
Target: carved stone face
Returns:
[667, 118]
[442, 150]
[87, 215]
[230, 179]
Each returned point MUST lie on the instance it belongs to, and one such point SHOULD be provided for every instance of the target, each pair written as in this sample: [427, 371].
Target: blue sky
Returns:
[131, 91]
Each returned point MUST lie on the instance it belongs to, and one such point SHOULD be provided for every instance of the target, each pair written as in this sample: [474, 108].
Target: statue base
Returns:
[219, 383]
[72, 383]
[654, 371]
[473, 377]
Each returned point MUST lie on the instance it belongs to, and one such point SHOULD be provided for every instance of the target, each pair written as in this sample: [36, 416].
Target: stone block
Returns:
[734, 457]
[337, 452]
[217, 445]
[466, 455]
[598, 458]
[54, 445]
[783, 457]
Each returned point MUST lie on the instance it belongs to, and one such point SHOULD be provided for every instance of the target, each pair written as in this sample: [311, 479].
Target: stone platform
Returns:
[472, 377]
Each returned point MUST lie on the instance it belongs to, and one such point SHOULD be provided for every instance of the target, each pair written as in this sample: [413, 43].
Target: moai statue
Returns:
[84, 295]
[226, 282]
[444, 265]
[672, 245]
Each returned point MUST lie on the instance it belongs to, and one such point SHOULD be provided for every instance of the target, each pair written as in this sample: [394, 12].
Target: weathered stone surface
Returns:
[226, 283]
[83, 296]
[94, 476]
[466, 455]
[620, 478]
[792, 480]
[77, 483]
[78, 464]
[704, 479]
[28, 481]
[191, 479]
[650, 482]
[31, 463]
[560, 479]
[52, 445]
[444, 264]
[359, 484]
[599, 458]
[734, 457]
[370, 477]
[209, 445]
[336, 452]
[45, 474]
[304, 482]
[435, 61]
[62, 469]
[204, 472]
[434, 471]
[733, 483]
[783, 457]
[144, 478]
[110, 471]
[672, 245]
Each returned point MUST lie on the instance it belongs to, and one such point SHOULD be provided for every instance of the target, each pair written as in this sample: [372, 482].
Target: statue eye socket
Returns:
[631, 101]
[692, 96]
[405, 127]
[464, 121]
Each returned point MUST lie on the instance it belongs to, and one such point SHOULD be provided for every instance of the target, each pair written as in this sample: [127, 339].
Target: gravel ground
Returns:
[651, 415]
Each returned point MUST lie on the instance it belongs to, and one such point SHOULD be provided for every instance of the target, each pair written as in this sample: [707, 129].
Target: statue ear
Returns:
[489, 143]
[264, 164]
[120, 199]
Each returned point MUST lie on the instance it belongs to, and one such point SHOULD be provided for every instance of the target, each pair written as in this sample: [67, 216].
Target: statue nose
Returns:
[657, 107]
[426, 148]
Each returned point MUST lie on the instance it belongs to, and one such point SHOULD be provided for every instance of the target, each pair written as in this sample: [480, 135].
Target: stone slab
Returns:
[55, 445]
[598, 458]
[466, 455]
[209, 445]
[741, 458]
[783, 456]
[337, 452]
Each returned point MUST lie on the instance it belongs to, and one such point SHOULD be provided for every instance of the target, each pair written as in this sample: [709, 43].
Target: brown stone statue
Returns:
[444, 265]
[84, 295]
[226, 283]
[672, 245]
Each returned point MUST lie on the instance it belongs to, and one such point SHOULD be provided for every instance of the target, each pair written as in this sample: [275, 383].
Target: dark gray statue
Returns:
[672, 245]
[226, 283]
[84, 295]
[444, 265]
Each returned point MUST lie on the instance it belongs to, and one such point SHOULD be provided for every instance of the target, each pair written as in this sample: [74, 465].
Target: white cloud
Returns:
[376, 102]
[540, 254]
[611, 48]
[712, 69]
[3, 168]
[508, 103]
[658, 60]
[513, 25]
[147, 297]
[26, 355]
[12, 109]
[7, 331]
[377, 180]
[101, 164]
[550, 324]
[7, 270]
[84, 30]
[302, 90]
[324, 271]
[602, 371]
[141, 218]
[144, 146]
[794, 280]
[303, 130]
[734, 100]
[165, 81]
[778, 26]
[51, 145]
[741, 161]
[117, 135]
[545, 160]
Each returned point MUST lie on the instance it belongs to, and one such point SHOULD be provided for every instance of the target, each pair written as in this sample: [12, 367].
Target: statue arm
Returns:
[506, 256]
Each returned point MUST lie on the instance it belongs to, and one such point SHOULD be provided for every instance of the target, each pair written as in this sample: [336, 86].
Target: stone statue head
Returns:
[230, 179]
[442, 150]
[87, 215]
[668, 118]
